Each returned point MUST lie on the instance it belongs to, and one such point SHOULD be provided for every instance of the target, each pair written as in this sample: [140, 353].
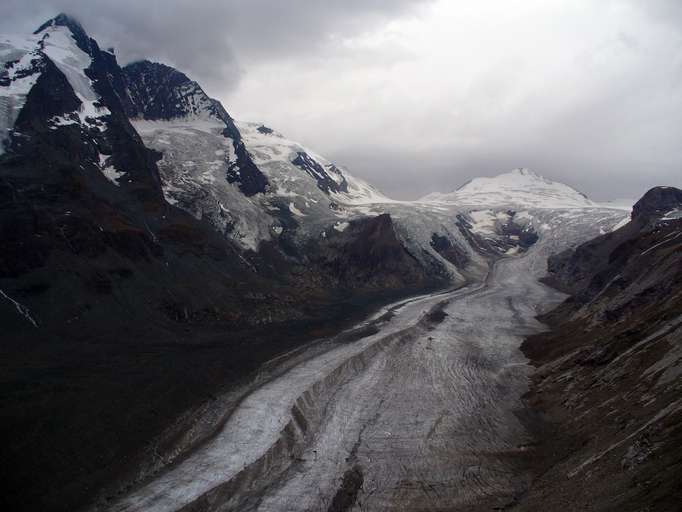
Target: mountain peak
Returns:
[61, 20]
[521, 174]
[524, 171]
[519, 187]
[73, 25]
[656, 203]
[161, 92]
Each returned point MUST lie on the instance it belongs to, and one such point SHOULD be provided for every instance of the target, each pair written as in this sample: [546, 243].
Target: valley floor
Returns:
[421, 415]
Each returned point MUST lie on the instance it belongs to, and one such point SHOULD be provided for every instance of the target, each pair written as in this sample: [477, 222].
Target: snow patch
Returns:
[484, 221]
[196, 157]
[295, 211]
[109, 171]
[341, 226]
[21, 80]
[673, 214]
[21, 309]
[273, 154]
[62, 50]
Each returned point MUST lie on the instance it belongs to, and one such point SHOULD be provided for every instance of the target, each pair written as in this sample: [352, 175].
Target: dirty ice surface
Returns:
[423, 411]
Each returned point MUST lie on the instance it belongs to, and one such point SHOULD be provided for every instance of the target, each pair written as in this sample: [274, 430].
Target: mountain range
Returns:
[157, 252]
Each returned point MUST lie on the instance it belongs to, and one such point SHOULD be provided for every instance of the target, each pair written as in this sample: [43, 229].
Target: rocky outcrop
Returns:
[368, 254]
[583, 271]
[328, 180]
[501, 233]
[609, 372]
[443, 246]
[656, 203]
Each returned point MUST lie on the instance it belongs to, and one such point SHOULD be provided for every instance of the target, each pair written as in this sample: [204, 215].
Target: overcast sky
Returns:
[422, 95]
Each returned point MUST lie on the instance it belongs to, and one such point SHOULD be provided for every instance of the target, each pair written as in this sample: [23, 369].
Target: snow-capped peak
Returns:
[69, 23]
[61, 44]
[523, 171]
[519, 187]
[22, 60]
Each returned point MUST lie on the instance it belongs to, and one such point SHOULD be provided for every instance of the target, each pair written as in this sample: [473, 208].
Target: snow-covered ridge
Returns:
[20, 61]
[61, 48]
[520, 187]
[275, 155]
[18, 74]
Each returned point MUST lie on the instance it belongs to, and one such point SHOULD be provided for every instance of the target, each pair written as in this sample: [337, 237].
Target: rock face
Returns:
[448, 250]
[368, 253]
[324, 180]
[581, 271]
[656, 203]
[609, 372]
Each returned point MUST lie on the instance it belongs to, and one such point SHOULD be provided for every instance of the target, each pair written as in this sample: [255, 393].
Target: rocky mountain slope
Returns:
[281, 185]
[608, 379]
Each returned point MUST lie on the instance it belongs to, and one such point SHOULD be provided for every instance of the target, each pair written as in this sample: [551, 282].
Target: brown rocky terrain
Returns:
[608, 383]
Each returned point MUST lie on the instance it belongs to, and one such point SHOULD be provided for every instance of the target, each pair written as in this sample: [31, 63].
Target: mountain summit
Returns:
[659, 203]
[520, 187]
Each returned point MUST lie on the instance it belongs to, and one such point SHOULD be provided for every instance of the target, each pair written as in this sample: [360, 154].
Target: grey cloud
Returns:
[586, 93]
[211, 40]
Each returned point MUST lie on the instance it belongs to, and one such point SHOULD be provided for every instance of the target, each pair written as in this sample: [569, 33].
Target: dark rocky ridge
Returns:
[655, 203]
[608, 382]
[584, 270]
[368, 252]
[315, 170]
[159, 92]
